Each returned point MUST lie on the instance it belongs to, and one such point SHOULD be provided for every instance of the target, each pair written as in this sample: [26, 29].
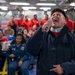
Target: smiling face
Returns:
[25, 32]
[18, 40]
[58, 19]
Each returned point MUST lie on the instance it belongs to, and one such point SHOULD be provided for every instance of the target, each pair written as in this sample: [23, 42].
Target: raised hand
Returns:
[46, 26]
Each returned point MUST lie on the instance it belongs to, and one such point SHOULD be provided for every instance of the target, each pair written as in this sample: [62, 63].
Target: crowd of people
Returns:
[27, 39]
[15, 36]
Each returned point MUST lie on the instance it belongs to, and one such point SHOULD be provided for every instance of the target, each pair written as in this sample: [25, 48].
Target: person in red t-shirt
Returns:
[35, 21]
[70, 24]
[74, 24]
[74, 28]
[27, 23]
[45, 19]
[20, 21]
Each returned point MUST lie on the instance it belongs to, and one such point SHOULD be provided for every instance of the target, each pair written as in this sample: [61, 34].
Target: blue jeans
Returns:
[13, 66]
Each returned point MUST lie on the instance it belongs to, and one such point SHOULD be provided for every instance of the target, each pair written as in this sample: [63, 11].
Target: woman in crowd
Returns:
[18, 56]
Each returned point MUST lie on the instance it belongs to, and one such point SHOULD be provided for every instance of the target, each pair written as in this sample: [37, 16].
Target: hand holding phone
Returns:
[46, 27]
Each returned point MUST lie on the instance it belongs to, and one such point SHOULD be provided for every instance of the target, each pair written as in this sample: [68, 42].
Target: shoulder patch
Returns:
[22, 48]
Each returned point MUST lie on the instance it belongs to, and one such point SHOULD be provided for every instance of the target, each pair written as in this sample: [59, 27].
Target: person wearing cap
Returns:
[35, 21]
[54, 44]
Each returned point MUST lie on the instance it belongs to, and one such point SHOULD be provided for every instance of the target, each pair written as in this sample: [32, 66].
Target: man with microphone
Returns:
[54, 45]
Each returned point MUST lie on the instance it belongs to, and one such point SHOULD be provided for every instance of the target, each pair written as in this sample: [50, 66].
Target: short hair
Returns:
[59, 10]
[21, 15]
[35, 15]
[19, 34]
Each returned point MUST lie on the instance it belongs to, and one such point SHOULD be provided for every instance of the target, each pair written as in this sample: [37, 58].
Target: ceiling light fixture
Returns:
[46, 4]
[45, 8]
[65, 9]
[3, 8]
[42, 0]
[19, 3]
[27, 8]
[72, 4]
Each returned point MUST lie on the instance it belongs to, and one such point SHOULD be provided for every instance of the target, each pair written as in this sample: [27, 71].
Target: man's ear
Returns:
[65, 22]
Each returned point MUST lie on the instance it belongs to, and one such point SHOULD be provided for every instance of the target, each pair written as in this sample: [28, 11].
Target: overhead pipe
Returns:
[62, 2]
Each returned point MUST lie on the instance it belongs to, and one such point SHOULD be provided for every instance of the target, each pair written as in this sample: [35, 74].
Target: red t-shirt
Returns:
[28, 24]
[43, 21]
[56, 33]
[20, 22]
[4, 39]
[35, 22]
[10, 23]
[70, 24]
[74, 24]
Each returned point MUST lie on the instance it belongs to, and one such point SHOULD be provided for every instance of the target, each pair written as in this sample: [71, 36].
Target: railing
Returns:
[4, 72]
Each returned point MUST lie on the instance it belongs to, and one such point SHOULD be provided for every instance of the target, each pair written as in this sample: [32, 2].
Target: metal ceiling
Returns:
[63, 4]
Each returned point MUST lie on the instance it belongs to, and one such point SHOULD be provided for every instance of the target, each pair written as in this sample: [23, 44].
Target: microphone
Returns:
[46, 27]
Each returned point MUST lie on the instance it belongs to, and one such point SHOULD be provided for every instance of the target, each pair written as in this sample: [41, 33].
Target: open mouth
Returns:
[55, 20]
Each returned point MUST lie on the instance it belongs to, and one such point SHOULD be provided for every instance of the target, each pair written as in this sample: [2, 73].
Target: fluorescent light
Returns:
[42, 0]
[19, 3]
[65, 9]
[72, 4]
[45, 8]
[46, 4]
[27, 8]
[3, 7]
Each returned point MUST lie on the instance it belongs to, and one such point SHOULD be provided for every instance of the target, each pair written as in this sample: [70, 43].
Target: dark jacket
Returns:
[53, 50]
[19, 52]
[0, 50]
